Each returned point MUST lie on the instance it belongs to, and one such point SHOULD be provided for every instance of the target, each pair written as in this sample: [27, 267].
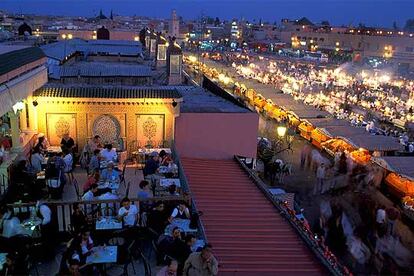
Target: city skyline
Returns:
[369, 12]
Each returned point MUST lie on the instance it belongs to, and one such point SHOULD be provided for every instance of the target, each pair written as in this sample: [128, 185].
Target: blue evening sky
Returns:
[339, 12]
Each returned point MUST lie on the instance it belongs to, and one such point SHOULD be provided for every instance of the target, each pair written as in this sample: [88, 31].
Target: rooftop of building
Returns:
[62, 49]
[100, 69]
[200, 100]
[107, 92]
[15, 59]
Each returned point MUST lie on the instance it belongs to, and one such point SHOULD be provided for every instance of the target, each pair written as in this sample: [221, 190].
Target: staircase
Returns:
[248, 235]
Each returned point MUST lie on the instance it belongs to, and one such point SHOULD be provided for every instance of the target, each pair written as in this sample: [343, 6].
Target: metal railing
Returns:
[186, 189]
[326, 257]
[62, 210]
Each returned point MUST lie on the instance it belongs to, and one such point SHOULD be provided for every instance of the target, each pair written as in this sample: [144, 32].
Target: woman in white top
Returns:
[36, 160]
[108, 153]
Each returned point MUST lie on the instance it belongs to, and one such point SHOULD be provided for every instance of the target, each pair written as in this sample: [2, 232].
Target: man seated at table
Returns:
[82, 244]
[90, 195]
[181, 249]
[108, 153]
[180, 212]
[145, 191]
[166, 242]
[201, 263]
[151, 165]
[158, 218]
[128, 213]
[110, 174]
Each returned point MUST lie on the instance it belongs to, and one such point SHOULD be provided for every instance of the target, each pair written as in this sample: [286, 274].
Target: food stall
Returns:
[305, 130]
[336, 145]
[317, 137]
[400, 178]
[399, 185]
[259, 102]
[360, 156]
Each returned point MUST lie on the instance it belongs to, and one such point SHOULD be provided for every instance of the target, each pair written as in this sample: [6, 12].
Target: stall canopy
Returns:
[403, 165]
[326, 122]
[342, 131]
[375, 142]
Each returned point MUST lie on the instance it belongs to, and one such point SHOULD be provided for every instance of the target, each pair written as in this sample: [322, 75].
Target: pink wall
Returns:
[216, 135]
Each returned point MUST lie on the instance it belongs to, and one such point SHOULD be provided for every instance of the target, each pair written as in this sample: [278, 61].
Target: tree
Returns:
[409, 25]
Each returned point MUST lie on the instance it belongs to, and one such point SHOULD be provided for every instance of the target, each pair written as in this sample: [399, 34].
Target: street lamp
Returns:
[281, 131]
[17, 107]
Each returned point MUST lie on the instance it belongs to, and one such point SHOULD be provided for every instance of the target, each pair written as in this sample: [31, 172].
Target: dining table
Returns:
[182, 224]
[31, 226]
[108, 223]
[167, 182]
[103, 255]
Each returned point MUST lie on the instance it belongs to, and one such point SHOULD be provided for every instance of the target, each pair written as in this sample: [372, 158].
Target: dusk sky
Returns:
[343, 12]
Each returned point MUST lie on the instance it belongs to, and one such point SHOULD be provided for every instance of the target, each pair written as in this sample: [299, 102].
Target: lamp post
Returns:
[284, 137]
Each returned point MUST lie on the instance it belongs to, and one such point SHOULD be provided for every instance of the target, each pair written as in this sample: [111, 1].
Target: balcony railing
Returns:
[62, 210]
[186, 190]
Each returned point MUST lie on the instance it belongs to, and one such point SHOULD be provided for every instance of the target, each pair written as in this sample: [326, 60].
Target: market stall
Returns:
[336, 145]
[305, 130]
[399, 185]
[360, 156]
[400, 180]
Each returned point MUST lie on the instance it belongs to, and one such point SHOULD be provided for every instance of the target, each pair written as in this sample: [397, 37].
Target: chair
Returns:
[127, 189]
[76, 185]
[122, 176]
[69, 176]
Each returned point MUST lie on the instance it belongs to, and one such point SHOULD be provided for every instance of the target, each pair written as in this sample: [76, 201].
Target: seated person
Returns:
[94, 144]
[90, 195]
[94, 162]
[172, 190]
[82, 244]
[109, 154]
[108, 209]
[182, 249]
[110, 174]
[145, 191]
[9, 225]
[166, 242]
[151, 165]
[41, 144]
[36, 160]
[128, 213]
[158, 218]
[180, 212]
[162, 158]
[78, 218]
[92, 179]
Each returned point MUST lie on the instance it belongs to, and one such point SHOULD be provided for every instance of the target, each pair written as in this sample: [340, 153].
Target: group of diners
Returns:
[168, 226]
[26, 238]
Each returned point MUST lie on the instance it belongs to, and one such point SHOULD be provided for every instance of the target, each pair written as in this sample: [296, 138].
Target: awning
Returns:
[20, 88]
[403, 165]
